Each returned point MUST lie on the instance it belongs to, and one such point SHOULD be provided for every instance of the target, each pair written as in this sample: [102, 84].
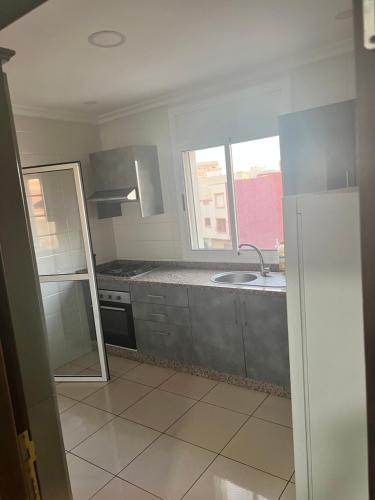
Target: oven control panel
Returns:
[114, 296]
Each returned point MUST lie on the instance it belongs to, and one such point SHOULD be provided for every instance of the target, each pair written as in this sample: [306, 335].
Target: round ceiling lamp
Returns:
[106, 38]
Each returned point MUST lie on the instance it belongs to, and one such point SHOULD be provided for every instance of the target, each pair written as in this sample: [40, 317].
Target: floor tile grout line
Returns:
[153, 386]
[179, 439]
[128, 482]
[273, 422]
[179, 394]
[218, 454]
[282, 493]
[202, 447]
[92, 463]
[85, 402]
[200, 475]
[78, 444]
[105, 384]
[149, 492]
[253, 467]
[92, 496]
[165, 431]
[244, 423]
[199, 401]
[140, 453]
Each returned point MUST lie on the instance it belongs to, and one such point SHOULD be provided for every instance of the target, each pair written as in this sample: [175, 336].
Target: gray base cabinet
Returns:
[228, 330]
[162, 321]
[265, 335]
[217, 336]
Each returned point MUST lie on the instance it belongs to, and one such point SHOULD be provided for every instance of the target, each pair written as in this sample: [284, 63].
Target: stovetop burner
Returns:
[125, 269]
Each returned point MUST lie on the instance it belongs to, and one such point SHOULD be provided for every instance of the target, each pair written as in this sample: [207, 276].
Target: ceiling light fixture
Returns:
[106, 38]
[344, 14]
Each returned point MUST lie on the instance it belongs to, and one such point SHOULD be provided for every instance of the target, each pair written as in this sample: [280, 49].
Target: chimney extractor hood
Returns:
[112, 195]
[129, 174]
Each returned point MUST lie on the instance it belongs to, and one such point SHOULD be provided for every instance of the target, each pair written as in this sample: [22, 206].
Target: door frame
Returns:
[365, 80]
[90, 276]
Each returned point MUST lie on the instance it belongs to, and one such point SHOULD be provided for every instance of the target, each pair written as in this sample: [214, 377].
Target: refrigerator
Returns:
[326, 344]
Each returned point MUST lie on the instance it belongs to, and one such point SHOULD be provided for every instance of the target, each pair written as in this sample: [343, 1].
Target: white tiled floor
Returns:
[151, 433]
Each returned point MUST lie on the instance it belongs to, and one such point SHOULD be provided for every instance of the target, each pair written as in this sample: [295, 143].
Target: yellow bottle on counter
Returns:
[281, 253]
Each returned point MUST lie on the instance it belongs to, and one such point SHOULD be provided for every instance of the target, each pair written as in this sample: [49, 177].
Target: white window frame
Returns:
[212, 254]
[251, 88]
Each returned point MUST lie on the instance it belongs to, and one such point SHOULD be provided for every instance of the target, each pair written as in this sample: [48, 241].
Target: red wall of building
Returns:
[259, 210]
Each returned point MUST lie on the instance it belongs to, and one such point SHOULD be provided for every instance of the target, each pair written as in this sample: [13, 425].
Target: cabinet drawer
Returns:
[164, 340]
[161, 313]
[159, 294]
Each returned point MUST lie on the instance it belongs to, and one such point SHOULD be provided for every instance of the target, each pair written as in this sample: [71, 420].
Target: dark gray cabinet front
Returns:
[216, 332]
[318, 148]
[164, 340]
[265, 336]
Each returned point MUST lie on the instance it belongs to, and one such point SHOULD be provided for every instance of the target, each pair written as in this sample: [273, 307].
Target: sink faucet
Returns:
[263, 269]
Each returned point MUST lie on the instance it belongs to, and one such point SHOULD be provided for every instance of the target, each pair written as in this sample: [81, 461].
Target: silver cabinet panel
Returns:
[216, 332]
[265, 336]
[132, 171]
[164, 340]
[318, 148]
[159, 294]
[161, 313]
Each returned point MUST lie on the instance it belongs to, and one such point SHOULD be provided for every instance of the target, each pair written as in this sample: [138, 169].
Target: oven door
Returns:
[118, 324]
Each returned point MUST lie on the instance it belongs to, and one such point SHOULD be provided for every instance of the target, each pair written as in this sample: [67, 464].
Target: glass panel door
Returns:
[64, 258]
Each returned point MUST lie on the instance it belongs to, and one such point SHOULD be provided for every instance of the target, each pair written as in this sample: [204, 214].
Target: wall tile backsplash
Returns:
[44, 141]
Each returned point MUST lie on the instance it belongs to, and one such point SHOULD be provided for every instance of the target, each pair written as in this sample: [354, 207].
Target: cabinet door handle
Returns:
[156, 296]
[157, 332]
[164, 315]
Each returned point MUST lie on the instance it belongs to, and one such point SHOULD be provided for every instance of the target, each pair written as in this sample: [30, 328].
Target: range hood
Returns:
[123, 175]
[115, 195]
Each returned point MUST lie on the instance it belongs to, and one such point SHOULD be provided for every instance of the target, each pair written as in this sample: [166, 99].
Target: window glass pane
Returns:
[70, 328]
[55, 222]
[207, 198]
[258, 192]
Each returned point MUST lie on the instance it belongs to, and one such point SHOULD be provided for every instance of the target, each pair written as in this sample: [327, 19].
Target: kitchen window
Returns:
[239, 186]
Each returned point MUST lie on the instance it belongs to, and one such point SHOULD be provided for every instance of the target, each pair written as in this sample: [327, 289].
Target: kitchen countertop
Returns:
[180, 276]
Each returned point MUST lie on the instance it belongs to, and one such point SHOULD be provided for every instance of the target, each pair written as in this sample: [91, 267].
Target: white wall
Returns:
[155, 237]
[46, 141]
[309, 85]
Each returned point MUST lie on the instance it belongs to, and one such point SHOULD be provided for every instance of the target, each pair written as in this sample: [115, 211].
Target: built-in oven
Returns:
[117, 318]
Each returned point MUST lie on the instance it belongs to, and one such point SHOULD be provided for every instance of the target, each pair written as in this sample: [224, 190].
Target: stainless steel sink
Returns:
[234, 278]
[241, 278]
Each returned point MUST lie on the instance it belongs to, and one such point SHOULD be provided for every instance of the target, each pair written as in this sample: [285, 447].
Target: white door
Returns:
[64, 257]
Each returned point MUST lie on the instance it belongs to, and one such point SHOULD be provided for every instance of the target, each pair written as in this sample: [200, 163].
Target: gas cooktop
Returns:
[125, 269]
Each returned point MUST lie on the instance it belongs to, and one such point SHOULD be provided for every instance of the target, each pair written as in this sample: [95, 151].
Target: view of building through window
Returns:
[257, 194]
[206, 181]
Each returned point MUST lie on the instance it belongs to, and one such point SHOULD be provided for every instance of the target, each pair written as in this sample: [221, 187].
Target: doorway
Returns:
[62, 243]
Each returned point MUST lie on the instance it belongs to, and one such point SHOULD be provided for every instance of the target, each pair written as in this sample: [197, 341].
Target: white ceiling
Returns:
[171, 45]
